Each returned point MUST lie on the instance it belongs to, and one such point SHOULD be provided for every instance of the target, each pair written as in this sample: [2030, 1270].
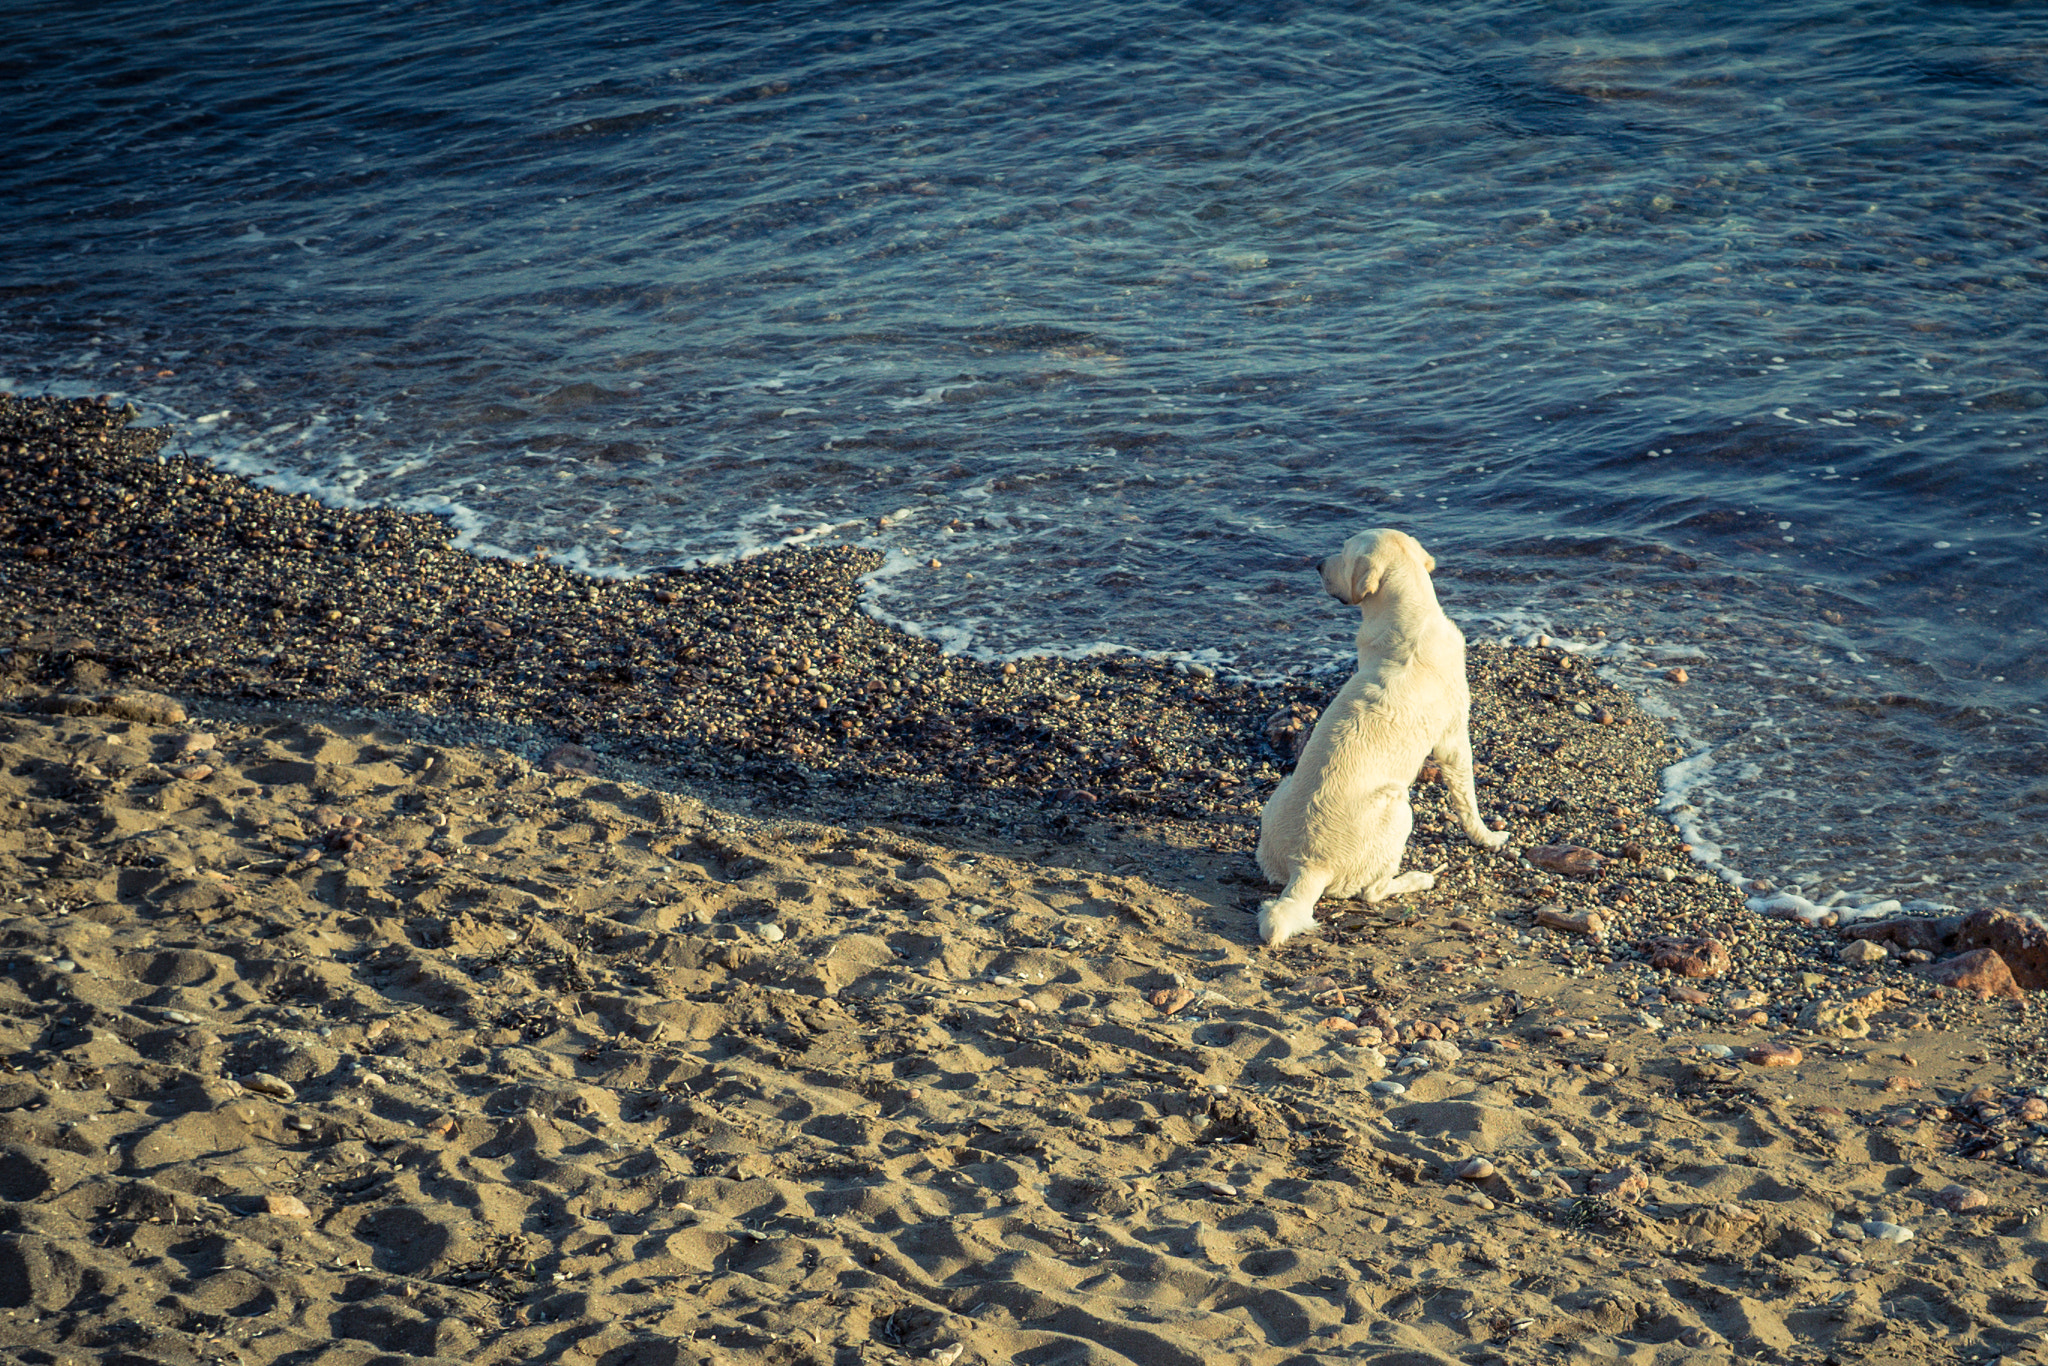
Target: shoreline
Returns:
[930, 1017]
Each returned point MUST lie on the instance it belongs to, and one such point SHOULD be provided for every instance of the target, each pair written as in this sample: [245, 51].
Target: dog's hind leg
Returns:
[1398, 884]
[1454, 757]
[1294, 910]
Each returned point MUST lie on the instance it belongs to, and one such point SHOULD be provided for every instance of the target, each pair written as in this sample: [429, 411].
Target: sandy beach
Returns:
[410, 956]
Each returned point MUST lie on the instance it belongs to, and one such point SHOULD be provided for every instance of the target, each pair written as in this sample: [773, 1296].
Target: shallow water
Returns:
[1723, 336]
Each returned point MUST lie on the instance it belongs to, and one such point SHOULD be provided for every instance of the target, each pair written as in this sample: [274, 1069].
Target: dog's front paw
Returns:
[1489, 839]
[1277, 924]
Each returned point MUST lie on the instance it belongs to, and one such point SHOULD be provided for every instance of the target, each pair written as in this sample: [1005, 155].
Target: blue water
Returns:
[1720, 333]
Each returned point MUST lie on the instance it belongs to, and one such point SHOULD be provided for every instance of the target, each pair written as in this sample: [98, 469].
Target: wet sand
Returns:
[833, 1001]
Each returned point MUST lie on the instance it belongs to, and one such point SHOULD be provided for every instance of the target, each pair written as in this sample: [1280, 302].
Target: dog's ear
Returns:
[1367, 573]
[1428, 561]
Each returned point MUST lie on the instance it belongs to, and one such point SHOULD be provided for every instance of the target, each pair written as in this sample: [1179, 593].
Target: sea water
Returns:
[1686, 336]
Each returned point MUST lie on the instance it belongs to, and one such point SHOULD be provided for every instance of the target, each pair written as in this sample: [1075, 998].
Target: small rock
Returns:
[1678, 675]
[1441, 1052]
[950, 1353]
[2033, 1108]
[1689, 957]
[770, 932]
[1573, 860]
[1884, 1232]
[1475, 1169]
[1717, 1050]
[285, 1206]
[1171, 1000]
[1959, 1199]
[1776, 1054]
[1222, 1190]
[1900, 1084]
[1386, 1087]
[1861, 953]
[1685, 995]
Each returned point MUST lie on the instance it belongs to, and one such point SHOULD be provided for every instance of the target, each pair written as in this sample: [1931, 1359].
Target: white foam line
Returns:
[1689, 780]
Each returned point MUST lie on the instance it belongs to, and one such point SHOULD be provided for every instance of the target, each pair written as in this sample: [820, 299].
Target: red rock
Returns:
[1686, 996]
[1171, 999]
[2022, 942]
[1695, 957]
[1678, 675]
[1570, 859]
[2033, 1108]
[1586, 922]
[1958, 1199]
[1776, 1055]
[1980, 971]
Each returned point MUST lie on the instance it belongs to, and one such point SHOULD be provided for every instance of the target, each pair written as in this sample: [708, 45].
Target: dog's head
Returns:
[1357, 571]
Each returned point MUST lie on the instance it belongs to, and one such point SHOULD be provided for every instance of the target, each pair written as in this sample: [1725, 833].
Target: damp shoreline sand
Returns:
[862, 1002]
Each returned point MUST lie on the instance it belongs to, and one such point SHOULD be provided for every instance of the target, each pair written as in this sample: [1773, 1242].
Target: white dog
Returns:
[1339, 822]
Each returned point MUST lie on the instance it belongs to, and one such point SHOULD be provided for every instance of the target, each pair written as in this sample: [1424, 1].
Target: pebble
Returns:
[1387, 1087]
[1776, 1054]
[1475, 1169]
[770, 931]
[1834, 1019]
[1862, 953]
[1626, 1182]
[1589, 923]
[1960, 1199]
[1885, 1232]
[1171, 1000]
[264, 1084]
[1223, 1190]
[1441, 1052]
[285, 1206]
[1717, 1050]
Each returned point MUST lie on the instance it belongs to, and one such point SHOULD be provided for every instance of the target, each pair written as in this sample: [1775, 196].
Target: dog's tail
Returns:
[1294, 910]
